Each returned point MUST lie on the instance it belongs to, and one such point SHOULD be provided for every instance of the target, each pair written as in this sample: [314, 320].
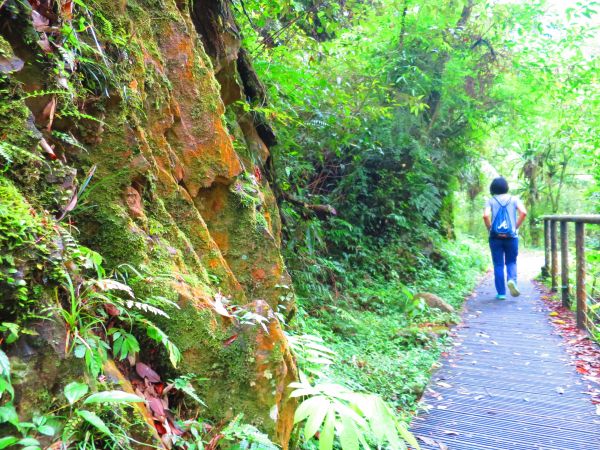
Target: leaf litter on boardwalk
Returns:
[584, 352]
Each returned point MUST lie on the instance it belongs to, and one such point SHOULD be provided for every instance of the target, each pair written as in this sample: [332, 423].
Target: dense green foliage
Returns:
[395, 116]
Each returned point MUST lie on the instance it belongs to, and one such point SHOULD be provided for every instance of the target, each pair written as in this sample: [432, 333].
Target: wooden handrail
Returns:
[551, 259]
[583, 218]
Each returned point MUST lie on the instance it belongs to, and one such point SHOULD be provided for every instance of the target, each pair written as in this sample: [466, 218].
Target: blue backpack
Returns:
[503, 226]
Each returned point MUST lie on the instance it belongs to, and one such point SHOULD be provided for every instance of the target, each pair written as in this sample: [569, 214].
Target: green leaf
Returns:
[7, 441]
[314, 421]
[8, 414]
[93, 419]
[29, 442]
[5, 386]
[328, 431]
[408, 436]
[112, 397]
[74, 391]
[47, 430]
[79, 351]
[310, 406]
[348, 434]
[4, 364]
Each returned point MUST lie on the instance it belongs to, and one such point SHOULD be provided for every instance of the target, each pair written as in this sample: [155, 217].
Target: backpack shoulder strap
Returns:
[506, 204]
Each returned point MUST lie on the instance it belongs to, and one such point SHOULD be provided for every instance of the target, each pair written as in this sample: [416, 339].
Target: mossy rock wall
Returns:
[179, 188]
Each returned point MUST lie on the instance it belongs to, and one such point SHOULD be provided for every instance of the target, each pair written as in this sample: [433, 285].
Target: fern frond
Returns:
[68, 139]
[146, 308]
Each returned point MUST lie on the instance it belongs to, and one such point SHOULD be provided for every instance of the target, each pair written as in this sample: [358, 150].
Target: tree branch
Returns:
[321, 209]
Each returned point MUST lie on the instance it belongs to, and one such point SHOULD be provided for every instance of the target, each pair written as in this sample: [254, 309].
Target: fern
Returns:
[10, 152]
[157, 335]
[247, 436]
[69, 139]
[5, 154]
[146, 308]
[312, 355]
[184, 384]
[43, 93]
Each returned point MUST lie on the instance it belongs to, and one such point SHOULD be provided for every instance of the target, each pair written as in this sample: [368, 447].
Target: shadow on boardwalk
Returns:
[508, 384]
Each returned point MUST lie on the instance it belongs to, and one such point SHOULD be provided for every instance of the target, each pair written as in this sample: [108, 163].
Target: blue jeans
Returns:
[504, 252]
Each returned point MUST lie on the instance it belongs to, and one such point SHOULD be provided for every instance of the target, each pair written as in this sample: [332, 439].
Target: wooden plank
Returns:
[554, 254]
[580, 261]
[564, 263]
[507, 383]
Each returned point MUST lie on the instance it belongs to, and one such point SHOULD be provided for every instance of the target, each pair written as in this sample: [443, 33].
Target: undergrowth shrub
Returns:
[387, 341]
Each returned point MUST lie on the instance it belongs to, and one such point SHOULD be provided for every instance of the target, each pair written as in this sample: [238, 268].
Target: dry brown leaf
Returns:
[66, 9]
[48, 113]
[427, 440]
[218, 305]
[46, 147]
[146, 372]
[157, 408]
[44, 43]
[111, 309]
[40, 23]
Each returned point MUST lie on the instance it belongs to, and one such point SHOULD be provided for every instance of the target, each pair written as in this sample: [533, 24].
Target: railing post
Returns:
[546, 268]
[554, 268]
[564, 262]
[580, 259]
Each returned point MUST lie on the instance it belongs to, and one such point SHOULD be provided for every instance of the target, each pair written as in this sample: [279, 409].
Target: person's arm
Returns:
[521, 213]
[487, 217]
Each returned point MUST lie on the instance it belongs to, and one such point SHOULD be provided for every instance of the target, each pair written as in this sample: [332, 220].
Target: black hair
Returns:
[499, 186]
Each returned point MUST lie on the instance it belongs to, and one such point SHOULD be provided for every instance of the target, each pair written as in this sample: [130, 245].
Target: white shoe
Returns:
[512, 287]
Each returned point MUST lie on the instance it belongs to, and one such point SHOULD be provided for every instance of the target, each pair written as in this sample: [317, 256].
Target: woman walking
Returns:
[503, 215]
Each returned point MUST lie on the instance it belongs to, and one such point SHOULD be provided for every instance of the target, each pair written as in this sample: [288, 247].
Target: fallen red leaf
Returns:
[212, 444]
[146, 372]
[157, 408]
[583, 351]
[40, 23]
[176, 429]
[227, 342]
[111, 309]
[160, 429]
[66, 10]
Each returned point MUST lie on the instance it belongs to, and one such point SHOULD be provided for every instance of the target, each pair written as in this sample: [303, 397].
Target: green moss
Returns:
[25, 249]
[110, 232]
[14, 116]
[6, 50]
[228, 368]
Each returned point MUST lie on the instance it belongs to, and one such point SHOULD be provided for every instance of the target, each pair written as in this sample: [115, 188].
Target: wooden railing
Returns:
[550, 268]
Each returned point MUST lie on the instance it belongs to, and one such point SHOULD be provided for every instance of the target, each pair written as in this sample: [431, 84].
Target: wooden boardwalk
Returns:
[507, 383]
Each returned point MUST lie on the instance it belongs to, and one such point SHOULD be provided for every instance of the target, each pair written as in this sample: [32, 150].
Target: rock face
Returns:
[179, 187]
[433, 301]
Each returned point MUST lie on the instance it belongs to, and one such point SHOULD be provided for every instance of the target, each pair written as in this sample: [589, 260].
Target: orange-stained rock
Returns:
[259, 274]
[165, 155]
[275, 370]
[133, 200]
[221, 238]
